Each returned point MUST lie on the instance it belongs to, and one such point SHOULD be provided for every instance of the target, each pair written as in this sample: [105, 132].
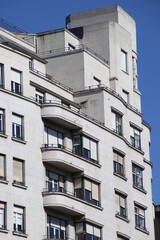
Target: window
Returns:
[137, 176]
[17, 130]
[87, 231]
[39, 97]
[134, 71]
[121, 208]
[54, 182]
[139, 217]
[2, 215]
[18, 171]
[118, 163]
[2, 167]
[56, 228]
[121, 236]
[1, 75]
[53, 138]
[117, 123]
[85, 147]
[16, 81]
[87, 190]
[2, 121]
[123, 61]
[18, 219]
[135, 137]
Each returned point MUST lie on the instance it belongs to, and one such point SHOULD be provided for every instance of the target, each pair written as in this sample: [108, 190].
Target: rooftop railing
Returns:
[81, 47]
[10, 27]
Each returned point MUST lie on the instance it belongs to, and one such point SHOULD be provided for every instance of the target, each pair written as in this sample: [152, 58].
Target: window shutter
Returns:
[93, 150]
[2, 166]
[16, 119]
[61, 181]
[117, 202]
[86, 143]
[97, 232]
[113, 121]
[115, 157]
[18, 210]
[89, 229]
[123, 61]
[95, 191]
[131, 131]
[15, 76]
[63, 225]
[52, 137]
[17, 171]
[88, 185]
[120, 159]
[1, 214]
[79, 228]
[45, 135]
[77, 183]
[141, 212]
[122, 202]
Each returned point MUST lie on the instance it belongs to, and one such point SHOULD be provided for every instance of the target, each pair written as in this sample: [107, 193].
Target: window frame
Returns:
[139, 216]
[51, 182]
[39, 96]
[119, 168]
[1, 75]
[15, 216]
[49, 223]
[122, 211]
[135, 175]
[15, 86]
[135, 138]
[3, 226]
[4, 164]
[18, 129]
[83, 232]
[15, 181]
[86, 194]
[2, 121]
[81, 150]
[124, 65]
[58, 139]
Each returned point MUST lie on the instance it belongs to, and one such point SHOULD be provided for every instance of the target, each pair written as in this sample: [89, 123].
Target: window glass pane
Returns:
[95, 191]
[52, 137]
[79, 228]
[60, 138]
[97, 232]
[77, 183]
[93, 150]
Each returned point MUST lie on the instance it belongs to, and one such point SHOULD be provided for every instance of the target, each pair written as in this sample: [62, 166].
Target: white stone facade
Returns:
[74, 150]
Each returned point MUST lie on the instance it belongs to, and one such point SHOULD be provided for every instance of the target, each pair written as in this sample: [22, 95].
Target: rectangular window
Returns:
[87, 231]
[18, 219]
[2, 121]
[121, 208]
[123, 61]
[56, 228]
[1, 75]
[118, 163]
[137, 176]
[86, 147]
[17, 127]
[87, 190]
[135, 136]
[53, 138]
[139, 217]
[2, 167]
[18, 171]
[2, 215]
[39, 96]
[125, 96]
[16, 85]
[54, 182]
[117, 123]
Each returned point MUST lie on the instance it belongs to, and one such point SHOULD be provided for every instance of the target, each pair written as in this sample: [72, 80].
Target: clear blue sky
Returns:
[42, 15]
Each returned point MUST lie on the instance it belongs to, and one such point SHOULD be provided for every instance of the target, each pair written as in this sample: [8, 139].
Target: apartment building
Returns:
[157, 222]
[74, 149]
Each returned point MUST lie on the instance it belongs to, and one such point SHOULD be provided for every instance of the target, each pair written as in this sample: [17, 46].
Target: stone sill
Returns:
[18, 140]
[4, 181]
[120, 176]
[3, 135]
[19, 185]
[142, 230]
[4, 230]
[20, 234]
[122, 218]
[140, 189]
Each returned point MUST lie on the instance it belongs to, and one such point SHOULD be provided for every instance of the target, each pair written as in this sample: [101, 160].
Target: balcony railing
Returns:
[50, 145]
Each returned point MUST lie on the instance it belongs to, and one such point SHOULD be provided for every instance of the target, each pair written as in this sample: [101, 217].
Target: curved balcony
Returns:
[62, 203]
[64, 158]
[61, 114]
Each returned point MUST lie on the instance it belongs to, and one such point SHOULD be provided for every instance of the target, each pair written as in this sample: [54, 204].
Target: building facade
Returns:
[74, 150]
[157, 222]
